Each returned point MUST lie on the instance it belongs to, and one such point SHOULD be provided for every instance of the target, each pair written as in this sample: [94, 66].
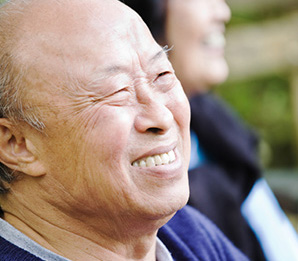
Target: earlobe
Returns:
[16, 150]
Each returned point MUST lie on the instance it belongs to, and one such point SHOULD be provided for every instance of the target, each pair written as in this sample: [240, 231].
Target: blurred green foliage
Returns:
[261, 12]
[265, 104]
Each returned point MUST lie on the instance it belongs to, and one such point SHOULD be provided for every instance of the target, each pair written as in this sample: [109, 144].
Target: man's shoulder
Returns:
[10, 252]
[191, 236]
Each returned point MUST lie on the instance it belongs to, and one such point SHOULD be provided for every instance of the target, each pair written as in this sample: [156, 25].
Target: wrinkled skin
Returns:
[108, 96]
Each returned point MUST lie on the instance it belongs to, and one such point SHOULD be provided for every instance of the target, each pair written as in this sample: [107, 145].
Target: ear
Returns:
[17, 152]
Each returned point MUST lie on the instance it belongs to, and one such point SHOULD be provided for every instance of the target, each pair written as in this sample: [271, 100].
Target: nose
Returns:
[222, 11]
[154, 116]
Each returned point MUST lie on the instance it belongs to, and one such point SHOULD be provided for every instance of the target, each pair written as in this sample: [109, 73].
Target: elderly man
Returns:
[94, 139]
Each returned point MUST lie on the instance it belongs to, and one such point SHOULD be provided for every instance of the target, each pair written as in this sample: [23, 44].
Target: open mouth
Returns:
[156, 160]
[215, 40]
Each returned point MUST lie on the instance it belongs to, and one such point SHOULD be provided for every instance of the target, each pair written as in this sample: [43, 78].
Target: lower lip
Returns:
[219, 51]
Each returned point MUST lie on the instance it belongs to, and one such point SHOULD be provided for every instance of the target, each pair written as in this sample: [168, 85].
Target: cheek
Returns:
[181, 111]
[109, 137]
[184, 116]
[179, 105]
[186, 21]
[103, 154]
[215, 72]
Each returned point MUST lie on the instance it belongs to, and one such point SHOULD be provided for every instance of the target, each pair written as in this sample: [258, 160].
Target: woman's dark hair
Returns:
[153, 12]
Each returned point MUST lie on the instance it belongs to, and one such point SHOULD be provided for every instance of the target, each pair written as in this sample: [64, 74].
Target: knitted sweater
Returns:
[190, 236]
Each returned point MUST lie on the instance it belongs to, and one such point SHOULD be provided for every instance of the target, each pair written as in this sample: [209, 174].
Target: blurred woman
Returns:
[225, 175]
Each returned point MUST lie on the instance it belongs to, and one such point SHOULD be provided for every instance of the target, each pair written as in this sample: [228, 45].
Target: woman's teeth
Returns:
[215, 40]
[156, 160]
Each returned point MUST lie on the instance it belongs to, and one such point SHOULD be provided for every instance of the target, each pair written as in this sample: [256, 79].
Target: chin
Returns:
[175, 201]
[164, 205]
[218, 73]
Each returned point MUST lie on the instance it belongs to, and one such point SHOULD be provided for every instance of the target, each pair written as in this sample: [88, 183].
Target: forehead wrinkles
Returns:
[67, 44]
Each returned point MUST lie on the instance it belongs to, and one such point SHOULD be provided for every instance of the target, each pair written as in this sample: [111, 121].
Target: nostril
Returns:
[154, 130]
[154, 118]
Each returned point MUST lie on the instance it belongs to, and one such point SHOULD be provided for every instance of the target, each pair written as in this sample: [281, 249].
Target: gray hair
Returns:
[12, 79]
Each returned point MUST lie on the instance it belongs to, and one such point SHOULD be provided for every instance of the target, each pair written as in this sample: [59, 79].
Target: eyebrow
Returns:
[164, 50]
[114, 69]
[120, 68]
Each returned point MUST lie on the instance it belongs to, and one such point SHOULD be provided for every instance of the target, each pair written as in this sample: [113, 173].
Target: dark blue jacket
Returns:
[189, 236]
[219, 185]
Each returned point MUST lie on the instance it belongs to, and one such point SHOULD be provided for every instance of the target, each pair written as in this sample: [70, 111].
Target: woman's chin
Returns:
[217, 74]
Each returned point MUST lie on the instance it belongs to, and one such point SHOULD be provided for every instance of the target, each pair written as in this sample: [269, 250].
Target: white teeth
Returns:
[156, 160]
[150, 162]
[165, 158]
[172, 155]
[135, 164]
[142, 163]
[216, 40]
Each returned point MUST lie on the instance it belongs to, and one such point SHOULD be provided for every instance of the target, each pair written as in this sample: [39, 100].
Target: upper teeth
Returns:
[215, 40]
[156, 160]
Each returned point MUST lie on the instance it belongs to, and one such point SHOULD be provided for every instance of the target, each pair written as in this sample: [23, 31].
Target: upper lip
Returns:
[157, 151]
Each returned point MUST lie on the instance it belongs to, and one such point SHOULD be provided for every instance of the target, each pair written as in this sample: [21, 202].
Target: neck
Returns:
[78, 231]
[77, 242]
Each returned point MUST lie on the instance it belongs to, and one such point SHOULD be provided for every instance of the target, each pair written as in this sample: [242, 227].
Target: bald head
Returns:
[43, 42]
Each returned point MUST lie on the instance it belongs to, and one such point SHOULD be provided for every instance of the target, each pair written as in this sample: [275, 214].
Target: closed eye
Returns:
[121, 97]
[121, 90]
[165, 80]
[162, 74]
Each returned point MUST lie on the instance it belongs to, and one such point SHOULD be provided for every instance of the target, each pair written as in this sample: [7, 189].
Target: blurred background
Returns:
[262, 53]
